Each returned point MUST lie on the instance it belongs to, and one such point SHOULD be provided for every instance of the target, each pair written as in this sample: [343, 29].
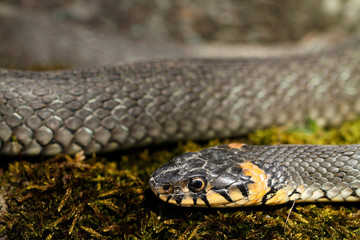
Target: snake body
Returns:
[134, 104]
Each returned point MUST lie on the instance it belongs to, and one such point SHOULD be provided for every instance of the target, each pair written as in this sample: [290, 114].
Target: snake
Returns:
[134, 104]
[238, 175]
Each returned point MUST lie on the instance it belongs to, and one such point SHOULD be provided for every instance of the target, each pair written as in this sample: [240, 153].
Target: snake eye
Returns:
[196, 184]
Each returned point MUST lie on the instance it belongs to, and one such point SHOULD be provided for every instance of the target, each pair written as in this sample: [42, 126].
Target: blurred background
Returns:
[46, 34]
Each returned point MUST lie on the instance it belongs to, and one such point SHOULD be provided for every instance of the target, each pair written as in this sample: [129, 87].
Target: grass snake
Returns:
[135, 104]
[236, 175]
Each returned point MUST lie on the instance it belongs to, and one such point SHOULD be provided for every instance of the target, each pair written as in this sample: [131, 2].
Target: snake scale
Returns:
[134, 104]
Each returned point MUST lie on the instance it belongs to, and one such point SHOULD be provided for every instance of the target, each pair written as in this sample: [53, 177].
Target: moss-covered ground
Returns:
[107, 197]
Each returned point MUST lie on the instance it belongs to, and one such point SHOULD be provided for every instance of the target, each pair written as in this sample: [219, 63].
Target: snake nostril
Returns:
[167, 188]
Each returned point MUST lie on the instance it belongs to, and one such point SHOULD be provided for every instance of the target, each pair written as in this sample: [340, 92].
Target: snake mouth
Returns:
[209, 197]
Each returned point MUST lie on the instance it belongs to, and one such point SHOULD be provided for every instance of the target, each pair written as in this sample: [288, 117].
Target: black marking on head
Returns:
[168, 198]
[195, 200]
[179, 199]
[225, 194]
[203, 197]
[244, 190]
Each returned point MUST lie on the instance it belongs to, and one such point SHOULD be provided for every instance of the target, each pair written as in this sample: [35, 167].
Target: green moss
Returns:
[348, 133]
[76, 198]
[69, 197]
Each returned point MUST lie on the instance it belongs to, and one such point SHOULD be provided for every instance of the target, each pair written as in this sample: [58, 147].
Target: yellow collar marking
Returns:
[259, 188]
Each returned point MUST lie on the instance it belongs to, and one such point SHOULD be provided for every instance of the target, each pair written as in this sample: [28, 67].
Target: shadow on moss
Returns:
[77, 198]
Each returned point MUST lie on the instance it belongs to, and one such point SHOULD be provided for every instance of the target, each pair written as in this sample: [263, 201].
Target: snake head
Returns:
[214, 177]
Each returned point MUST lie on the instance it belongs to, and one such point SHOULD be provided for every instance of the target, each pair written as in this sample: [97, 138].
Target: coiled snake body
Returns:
[151, 102]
